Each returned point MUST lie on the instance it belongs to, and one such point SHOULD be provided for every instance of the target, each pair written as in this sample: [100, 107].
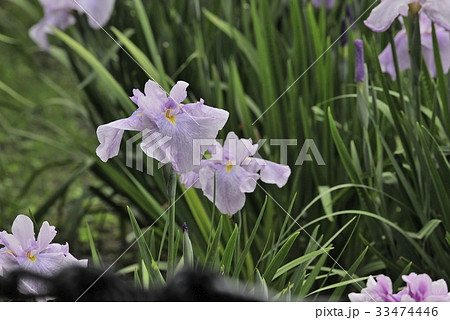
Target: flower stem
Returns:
[171, 190]
[415, 49]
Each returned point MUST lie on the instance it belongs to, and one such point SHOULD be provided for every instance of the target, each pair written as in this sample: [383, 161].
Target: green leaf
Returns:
[94, 253]
[213, 248]
[426, 231]
[228, 254]
[199, 213]
[339, 286]
[327, 201]
[156, 277]
[249, 242]
[15, 95]
[261, 288]
[298, 261]
[279, 258]
[399, 282]
[140, 56]
[111, 83]
[151, 43]
[247, 48]
[337, 293]
[313, 275]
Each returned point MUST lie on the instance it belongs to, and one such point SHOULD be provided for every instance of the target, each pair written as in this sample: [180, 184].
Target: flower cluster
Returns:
[170, 131]
[23, 251]
[59, 14]
[419, 288]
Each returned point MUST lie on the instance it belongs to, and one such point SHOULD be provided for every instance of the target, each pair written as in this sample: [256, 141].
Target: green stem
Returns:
[415, 50]
[171, 190]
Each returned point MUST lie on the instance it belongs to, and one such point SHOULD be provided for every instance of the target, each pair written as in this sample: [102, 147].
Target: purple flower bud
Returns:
[349, 13]
[185, 228]
[360, 71]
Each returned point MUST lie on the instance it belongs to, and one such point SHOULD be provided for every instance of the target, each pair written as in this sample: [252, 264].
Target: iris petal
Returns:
[381, 18]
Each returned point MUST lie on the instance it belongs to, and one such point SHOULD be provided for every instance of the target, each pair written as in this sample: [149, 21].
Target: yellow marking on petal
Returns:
[30, 257]
[7, 251]
[414, 8]
[169, 117]
[139, 114]
[229, 165]
[179, 106]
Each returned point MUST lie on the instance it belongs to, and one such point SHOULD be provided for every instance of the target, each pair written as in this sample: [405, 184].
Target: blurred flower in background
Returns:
[419, 288]
[59, 14]
[233, 172]
[402, 50]
[23, 251]
[327, 3]
[387, 11]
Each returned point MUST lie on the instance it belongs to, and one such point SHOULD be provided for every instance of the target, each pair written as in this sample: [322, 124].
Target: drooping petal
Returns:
[387, 60]
[205, 116]
[46, 234]
[110, 135]
[59, 19]
[231, 186]
[23, 230]
[381, 18]
[8, 261]
[97, 11]
[379, 290]
[438, 11]
[178, 92]
[272, 172]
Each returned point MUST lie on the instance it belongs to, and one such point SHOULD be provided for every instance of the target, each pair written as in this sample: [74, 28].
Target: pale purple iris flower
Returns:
[419, 288]
[23, 251]
[379, 290]
[234, 172]
[327, 3]
[59, 14]
[169, 127]
[387, 11]
[402, 50]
